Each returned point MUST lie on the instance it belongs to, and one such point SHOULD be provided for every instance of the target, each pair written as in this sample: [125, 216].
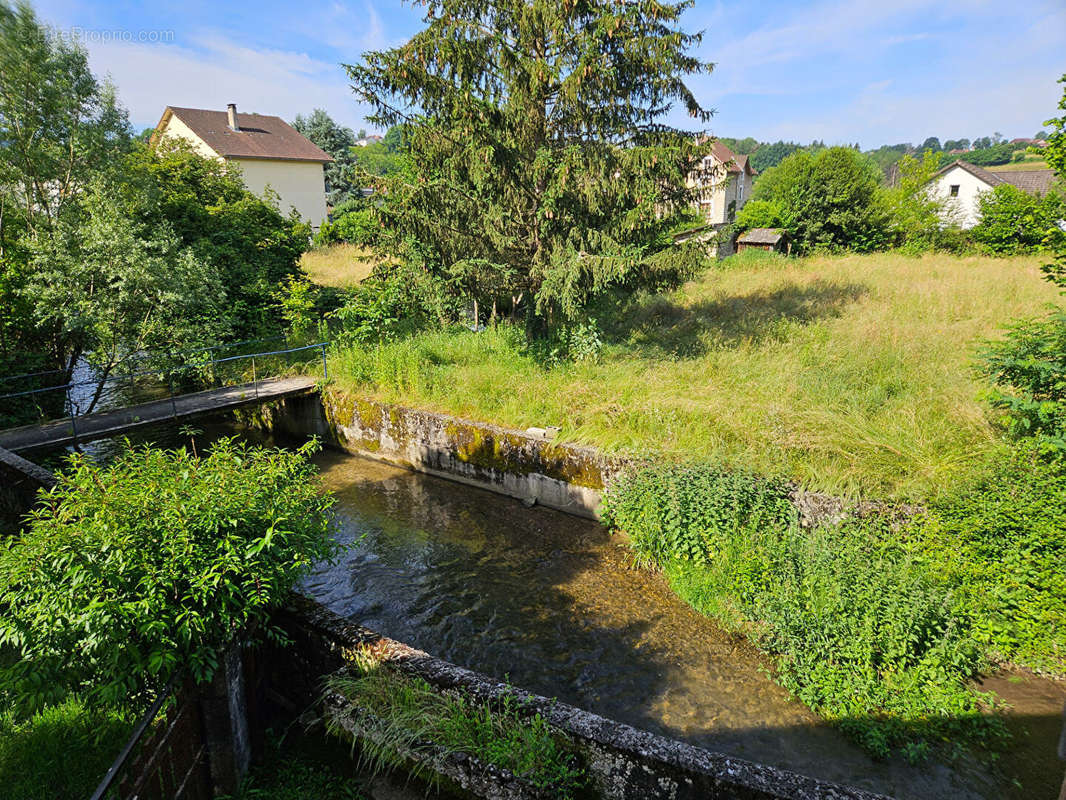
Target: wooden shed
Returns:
[773, 239]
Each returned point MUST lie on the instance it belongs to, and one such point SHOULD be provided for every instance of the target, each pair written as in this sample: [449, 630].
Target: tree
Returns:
[1055, 156]
[932, 143]
[243, 236]
[58, 127]
[831, 199]
[128, 573]
[535, 147]
[917, 215]
[111, 286]
[770, 155]
[338, 141]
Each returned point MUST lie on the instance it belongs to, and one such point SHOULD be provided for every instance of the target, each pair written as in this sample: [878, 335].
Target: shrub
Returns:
[1028, 369]
[1000, 546]
[686, 512]
[385, 305]
[862, 633]
[359, 226]
[761, 214]
[1013, 221]
[830, 200]
[154, 563]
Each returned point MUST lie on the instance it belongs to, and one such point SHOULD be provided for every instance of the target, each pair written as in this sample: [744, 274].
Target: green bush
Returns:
[1028, 370]
[358, 226]
[861, 632]
[1013, 221]
[384, 306]
[831, 200]
[687, 512]
[156, 562]
[1000, 547]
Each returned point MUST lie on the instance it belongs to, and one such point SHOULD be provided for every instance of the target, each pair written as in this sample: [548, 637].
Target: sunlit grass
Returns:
[339, 265]
[851, 374]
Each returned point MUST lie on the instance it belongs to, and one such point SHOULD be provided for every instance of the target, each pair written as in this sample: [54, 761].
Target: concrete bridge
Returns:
[104, 424]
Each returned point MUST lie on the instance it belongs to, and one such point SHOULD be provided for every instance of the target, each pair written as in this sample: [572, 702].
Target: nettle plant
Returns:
[128, 572]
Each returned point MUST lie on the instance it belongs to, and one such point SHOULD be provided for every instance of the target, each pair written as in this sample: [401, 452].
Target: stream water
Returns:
[552, 603]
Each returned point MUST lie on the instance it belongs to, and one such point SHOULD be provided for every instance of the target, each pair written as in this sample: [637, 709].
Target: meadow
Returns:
[851, 374]
[339, 265]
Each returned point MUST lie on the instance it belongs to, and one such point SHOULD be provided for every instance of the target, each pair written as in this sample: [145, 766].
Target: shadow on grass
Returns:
[658, 326]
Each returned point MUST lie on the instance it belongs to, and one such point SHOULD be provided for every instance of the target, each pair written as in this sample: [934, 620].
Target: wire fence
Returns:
[166, 376]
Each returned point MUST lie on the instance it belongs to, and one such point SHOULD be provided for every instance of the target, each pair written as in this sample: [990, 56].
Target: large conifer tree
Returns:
[538, 162]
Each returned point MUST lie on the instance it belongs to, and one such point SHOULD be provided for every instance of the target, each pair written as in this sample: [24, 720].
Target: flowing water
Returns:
[552, 603]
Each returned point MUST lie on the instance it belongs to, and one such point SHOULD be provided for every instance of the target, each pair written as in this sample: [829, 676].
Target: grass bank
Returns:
[338, 265]
[878, 627]
[60, 752]
[850, 374]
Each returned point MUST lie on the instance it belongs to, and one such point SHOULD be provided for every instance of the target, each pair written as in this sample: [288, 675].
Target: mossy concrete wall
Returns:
[520, 464]
[622, 762]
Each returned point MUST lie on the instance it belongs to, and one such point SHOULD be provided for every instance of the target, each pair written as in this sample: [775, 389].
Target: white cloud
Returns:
[218, 71]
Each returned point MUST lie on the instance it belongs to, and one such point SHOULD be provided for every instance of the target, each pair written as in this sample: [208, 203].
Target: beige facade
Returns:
[298, 183]
[722, 191]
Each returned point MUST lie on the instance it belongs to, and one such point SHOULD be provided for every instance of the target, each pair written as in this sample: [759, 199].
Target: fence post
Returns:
[170, 386]
[224, 707]
[255, 380]
[325, 369]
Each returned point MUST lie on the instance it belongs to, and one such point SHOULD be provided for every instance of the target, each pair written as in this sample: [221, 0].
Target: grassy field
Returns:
[339, 265]
[1031, 162]
[851, 374]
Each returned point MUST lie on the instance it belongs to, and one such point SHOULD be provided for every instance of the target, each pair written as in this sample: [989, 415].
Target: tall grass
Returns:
[339, 265]
[60, 752]
[404, 715]
[851, 374]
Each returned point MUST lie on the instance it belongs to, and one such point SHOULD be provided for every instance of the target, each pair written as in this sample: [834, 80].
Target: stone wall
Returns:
[623, 763]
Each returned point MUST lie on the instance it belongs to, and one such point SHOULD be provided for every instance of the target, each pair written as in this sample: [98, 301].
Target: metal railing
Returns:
[216, 373]
[166, 755]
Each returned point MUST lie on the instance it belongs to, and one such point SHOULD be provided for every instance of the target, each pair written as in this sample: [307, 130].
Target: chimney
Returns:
[231, 112]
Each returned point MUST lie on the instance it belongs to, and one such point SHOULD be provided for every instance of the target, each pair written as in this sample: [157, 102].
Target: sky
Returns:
[842, 71]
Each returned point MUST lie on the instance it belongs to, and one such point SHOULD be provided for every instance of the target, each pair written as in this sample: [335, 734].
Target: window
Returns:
[740, 188]
[954, 190]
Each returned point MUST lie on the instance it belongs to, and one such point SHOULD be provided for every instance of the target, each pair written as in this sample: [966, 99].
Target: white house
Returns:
[959, 186]
[269, 151]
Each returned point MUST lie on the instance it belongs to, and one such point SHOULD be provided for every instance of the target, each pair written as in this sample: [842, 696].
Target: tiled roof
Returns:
[260, 135]
[1034, 181]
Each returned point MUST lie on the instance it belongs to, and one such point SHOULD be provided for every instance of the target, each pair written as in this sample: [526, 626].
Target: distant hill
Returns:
[986, 151]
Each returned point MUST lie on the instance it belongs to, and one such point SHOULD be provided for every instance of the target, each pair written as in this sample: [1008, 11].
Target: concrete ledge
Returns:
[527, 465]
[624, 763]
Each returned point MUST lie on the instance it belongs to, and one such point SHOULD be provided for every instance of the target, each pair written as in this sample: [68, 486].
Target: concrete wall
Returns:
[623, 763]
[522, 464]
[962, 211]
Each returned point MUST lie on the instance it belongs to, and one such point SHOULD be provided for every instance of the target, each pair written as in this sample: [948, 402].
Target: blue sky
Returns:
[839, 70]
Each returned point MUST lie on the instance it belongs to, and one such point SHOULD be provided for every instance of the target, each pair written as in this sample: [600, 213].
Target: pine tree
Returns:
[537, 160]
